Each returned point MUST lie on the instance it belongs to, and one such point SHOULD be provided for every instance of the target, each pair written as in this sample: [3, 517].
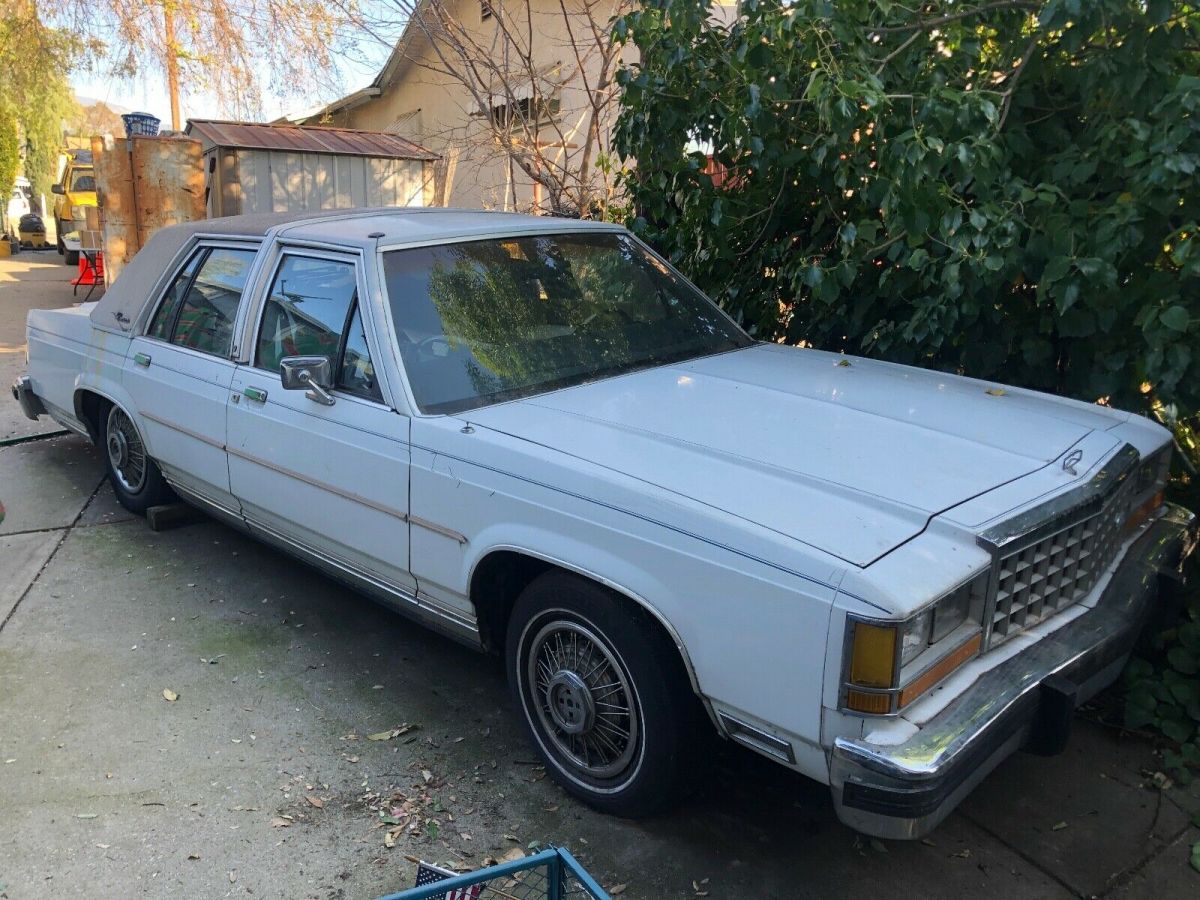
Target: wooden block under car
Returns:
[172, 515]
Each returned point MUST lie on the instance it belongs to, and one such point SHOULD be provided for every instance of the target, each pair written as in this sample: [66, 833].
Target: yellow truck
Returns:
[76, 190]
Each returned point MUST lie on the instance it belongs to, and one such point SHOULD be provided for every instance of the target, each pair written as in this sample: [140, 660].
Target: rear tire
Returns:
[135, 479]
[602, 694]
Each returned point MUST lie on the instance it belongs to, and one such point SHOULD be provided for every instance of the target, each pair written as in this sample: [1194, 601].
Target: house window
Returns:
[526, 110]
[485, 10]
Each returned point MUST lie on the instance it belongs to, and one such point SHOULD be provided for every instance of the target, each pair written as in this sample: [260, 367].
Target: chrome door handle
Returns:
[253, 393]
[142, 359]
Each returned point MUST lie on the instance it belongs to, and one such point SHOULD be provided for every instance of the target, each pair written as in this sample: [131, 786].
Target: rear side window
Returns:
[201, 305]
[168, 311]
[312, 310]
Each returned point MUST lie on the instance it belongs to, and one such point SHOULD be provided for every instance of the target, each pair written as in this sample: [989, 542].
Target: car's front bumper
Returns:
[904, 790]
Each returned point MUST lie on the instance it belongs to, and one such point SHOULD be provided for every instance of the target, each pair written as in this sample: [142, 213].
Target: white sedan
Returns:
[535, 436]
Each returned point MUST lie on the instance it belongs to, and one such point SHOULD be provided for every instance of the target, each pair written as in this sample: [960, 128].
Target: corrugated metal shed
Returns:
[306, 139]
[256, 168]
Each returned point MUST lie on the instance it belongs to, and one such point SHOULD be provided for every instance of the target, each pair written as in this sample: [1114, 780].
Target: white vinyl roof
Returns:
[364, 229]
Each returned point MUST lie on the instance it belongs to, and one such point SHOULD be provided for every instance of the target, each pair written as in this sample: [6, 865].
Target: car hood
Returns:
[847, 455]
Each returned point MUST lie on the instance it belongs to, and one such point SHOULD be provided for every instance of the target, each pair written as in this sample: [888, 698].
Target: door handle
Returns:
[142, 359]
[253, 393]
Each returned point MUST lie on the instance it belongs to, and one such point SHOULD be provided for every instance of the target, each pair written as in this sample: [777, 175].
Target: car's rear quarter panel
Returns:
[66, 353]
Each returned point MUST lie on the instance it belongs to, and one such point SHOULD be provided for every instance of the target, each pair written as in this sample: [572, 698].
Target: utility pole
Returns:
[171, 48]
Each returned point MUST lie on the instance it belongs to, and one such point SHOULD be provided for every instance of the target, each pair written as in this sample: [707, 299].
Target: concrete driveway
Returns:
[260, 778]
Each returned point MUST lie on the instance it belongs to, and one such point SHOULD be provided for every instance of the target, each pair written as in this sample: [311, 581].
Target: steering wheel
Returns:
[425, 346]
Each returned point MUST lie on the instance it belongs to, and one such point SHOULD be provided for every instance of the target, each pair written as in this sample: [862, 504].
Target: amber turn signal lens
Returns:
[861, 701]
[873, 659]
[940, 670]
[1143, 512]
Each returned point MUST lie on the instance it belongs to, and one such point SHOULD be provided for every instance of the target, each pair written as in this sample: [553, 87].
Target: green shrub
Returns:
[1007, 189]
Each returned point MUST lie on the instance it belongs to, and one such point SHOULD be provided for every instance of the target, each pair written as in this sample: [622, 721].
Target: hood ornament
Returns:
[1071, 461]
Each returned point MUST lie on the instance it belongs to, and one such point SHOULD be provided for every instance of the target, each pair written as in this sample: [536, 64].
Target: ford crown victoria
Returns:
[535, 436]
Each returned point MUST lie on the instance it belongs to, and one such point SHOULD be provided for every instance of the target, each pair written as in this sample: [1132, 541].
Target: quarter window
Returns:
[312, 310]
[201, 305]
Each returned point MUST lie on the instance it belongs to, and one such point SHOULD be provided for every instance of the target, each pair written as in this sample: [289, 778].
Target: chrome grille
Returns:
[1058, 569]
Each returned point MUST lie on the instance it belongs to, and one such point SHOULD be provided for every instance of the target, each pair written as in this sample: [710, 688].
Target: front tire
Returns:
[135, 479]
[602, 694]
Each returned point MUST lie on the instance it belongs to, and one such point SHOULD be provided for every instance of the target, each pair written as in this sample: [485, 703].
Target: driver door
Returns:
[330, 480]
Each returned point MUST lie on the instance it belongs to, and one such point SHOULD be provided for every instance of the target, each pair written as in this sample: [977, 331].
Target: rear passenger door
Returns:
[179, 371]
[331, 480]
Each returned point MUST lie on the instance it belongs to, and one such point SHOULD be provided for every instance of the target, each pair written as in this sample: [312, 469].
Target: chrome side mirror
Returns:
[310, 374]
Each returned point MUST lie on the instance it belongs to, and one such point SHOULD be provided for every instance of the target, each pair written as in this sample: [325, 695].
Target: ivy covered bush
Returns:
[1003, 188]
[1008, 189]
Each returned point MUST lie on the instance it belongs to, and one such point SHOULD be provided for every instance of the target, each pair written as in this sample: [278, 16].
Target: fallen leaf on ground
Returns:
[427, 775]
[391, 733]
[169, 695]
[193, 856]
[963, 854]
[1059, 826]
[617, 889]
[513, 855]
[315, 801]
[86, 815]
[280, 822]
[232, 876]
[997, 392]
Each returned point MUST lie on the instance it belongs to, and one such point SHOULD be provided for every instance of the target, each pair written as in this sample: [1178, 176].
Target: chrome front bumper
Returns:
[904, 790]
[31, 404]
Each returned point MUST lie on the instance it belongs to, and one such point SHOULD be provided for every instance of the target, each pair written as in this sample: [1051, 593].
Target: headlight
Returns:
[890, 664]
[914, 636]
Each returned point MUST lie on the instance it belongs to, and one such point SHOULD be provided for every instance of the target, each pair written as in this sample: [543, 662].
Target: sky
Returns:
[149, 94]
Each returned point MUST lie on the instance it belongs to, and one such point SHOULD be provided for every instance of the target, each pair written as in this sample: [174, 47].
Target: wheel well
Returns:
[89, 406]
[501, 576]
[496, 584]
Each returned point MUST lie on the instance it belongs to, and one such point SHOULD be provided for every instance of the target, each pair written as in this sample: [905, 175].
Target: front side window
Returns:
[312, 310]
[486, 321]
[199, 309]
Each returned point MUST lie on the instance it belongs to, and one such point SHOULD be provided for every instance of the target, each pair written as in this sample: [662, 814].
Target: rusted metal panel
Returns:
[159, 182]
[307, 139]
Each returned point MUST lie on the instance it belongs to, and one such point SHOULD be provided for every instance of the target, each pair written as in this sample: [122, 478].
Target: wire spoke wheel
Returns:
[584, 698]
[126, 452]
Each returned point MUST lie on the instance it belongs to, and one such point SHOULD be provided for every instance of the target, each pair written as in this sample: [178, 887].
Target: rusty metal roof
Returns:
[306, 139]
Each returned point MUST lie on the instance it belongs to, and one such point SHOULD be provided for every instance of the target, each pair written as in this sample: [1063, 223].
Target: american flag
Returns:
[428, 874]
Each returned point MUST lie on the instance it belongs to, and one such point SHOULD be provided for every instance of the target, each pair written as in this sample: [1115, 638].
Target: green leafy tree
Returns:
[1006, 189]
[35, 60]
[10, 149]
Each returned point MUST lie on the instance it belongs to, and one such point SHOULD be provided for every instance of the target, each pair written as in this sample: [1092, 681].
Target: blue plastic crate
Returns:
[553, 874]
[140, 123]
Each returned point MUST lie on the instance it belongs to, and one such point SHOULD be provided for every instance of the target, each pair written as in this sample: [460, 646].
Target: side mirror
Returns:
[310, 374]
[57, 189]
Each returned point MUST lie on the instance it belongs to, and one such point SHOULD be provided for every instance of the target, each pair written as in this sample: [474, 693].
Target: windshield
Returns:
[486, 321]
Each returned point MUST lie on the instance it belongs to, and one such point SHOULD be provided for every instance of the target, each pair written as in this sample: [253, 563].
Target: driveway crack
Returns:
[53, 553]
[999, 838]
